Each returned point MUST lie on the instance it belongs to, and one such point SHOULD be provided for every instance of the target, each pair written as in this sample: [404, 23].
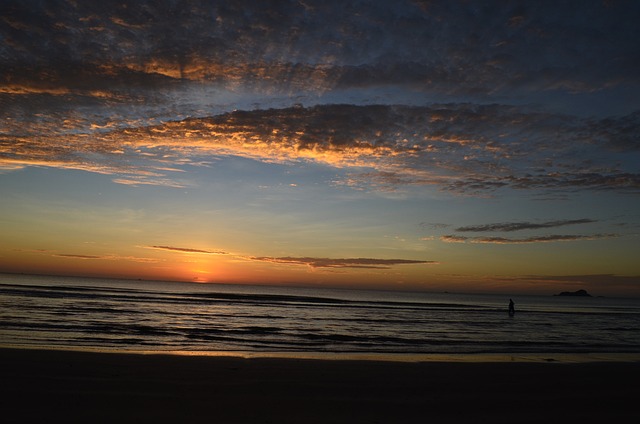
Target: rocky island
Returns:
[580, 292]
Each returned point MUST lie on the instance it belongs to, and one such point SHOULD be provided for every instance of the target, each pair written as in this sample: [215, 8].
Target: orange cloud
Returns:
[453, 239]
[382, 147]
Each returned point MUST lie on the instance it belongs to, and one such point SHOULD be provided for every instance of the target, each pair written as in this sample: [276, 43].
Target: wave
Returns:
[260, 319]
[137, 295]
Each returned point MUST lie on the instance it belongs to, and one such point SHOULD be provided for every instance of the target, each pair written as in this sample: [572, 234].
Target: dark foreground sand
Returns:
[59, 386]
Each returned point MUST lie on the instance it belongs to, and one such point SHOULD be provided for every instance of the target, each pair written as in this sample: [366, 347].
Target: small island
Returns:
[580, 292]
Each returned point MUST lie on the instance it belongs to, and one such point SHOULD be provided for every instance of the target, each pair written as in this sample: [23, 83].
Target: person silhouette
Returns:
[512, 309]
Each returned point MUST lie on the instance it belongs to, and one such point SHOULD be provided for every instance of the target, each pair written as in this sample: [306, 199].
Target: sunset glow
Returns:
[437, 146]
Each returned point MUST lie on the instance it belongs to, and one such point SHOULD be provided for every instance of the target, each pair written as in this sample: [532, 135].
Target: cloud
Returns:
[523, 226]
[434, 225]
[518, 226]
[451, 238]
[137, 180]
[120, 258]
[459, 148]
[313, 262]
[141, 91]
[621, 134]
[535, 239]
[367, 263]
[90, 257]
[427, 45]
[74, 256]
[187, 250]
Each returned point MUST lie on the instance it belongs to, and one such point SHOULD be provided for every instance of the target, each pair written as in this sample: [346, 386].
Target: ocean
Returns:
[149, 316]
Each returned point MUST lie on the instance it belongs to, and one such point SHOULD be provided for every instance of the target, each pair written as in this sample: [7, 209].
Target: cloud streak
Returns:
[187, 250]
[526, 240]
[366, 263]
[518, 226]
[75, 256]
[90, 257]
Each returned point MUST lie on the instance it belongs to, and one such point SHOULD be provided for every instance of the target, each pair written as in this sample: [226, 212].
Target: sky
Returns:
[458, 146]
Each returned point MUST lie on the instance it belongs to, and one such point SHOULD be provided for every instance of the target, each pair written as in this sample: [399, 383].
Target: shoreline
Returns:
[544, 357]
[81, 386]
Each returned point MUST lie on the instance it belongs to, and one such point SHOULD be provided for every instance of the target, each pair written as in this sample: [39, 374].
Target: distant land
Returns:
[580, 292]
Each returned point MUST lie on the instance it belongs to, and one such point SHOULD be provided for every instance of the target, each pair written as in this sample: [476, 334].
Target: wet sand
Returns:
[68, 386]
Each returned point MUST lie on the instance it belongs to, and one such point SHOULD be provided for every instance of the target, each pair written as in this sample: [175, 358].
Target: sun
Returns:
[200, 275]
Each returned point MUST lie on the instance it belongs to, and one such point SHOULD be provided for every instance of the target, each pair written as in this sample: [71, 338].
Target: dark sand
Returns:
[63, 386]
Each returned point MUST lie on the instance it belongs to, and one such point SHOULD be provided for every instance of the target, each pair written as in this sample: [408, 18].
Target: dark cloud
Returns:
[565, 181]
[523, 226]
[188, 250]
[518, 226]
[526, 240]
[454, 46]
[69, 255]
[340, 263]
[620, 134]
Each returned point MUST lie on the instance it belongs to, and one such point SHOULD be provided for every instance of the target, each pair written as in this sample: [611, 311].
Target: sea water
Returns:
[125, 315]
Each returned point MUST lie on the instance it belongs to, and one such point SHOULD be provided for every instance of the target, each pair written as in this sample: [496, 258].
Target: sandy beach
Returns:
[69, 386]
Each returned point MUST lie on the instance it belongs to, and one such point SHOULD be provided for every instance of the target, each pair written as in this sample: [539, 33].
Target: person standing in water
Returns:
[512, 309]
